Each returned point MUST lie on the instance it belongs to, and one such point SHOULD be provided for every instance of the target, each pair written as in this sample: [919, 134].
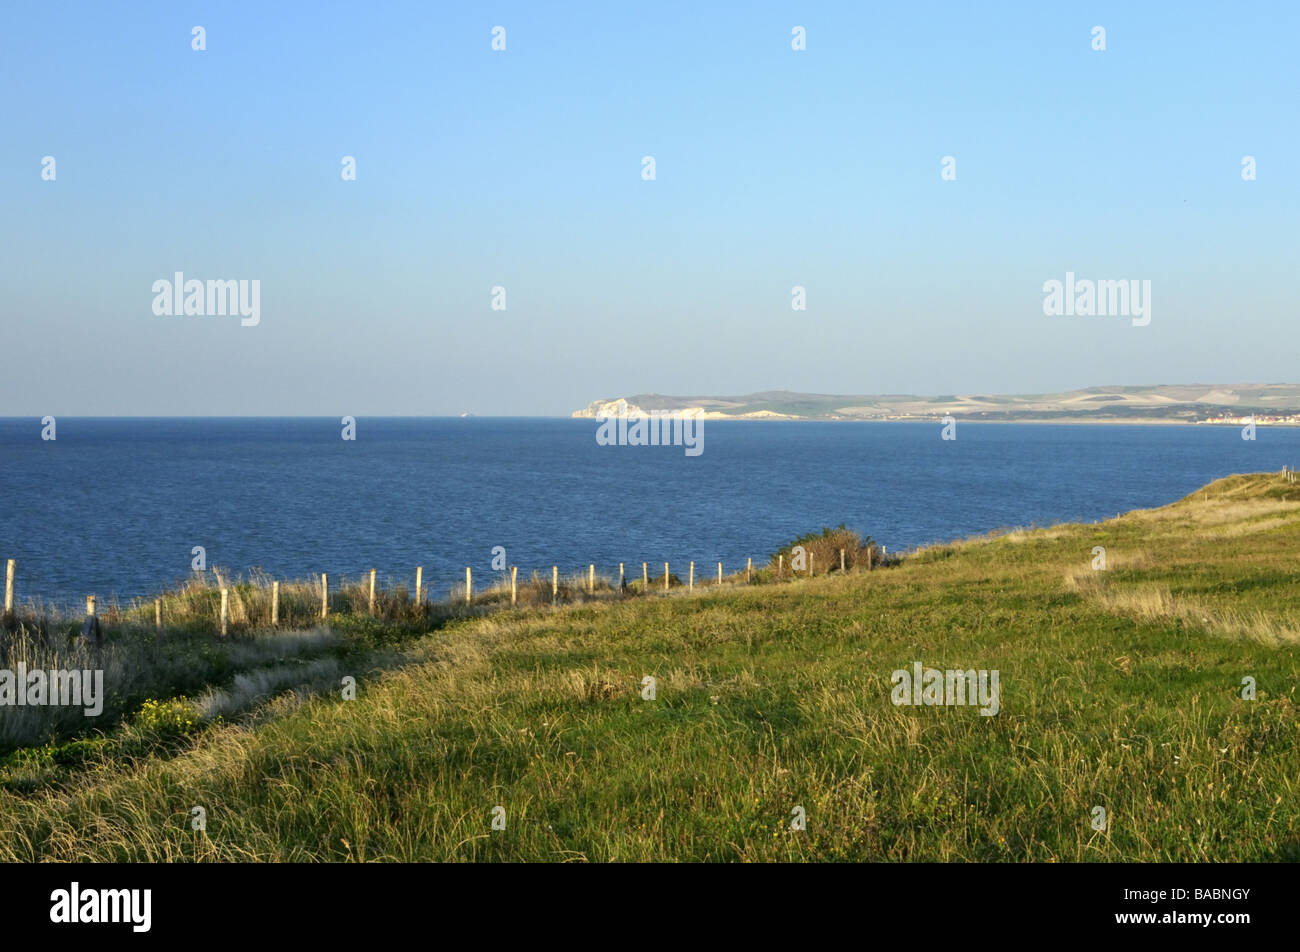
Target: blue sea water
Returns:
[115, 506]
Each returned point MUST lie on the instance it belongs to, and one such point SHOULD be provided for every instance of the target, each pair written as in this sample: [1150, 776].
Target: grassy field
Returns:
[1120, 689]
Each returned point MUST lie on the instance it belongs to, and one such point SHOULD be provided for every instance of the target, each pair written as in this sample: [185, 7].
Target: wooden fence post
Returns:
[324, 595]
[10, 568]
[469, 583]
[157, 614]
[514, 584]
[749, 569]
[225, 611]
[645, 576]
[372, 591]
[591, 579]
[841, 560]
[275, 604]
[419, 584]
[90, 630]
[780, 566]
[719, 573]
[810, 565]
[870, 549]
[555, 583]
[690, 585]
[665, 576]
[621, 586]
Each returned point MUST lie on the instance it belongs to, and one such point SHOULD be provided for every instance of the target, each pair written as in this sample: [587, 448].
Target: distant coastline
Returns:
[1214, 405]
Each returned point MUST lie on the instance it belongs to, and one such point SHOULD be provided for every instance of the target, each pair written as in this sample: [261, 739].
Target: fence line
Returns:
[373, 591]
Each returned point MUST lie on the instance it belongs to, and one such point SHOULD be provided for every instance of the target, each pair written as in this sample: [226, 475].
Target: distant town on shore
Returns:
[1263, 404]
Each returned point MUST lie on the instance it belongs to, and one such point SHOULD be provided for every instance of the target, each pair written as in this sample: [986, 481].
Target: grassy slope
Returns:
[1119, 690]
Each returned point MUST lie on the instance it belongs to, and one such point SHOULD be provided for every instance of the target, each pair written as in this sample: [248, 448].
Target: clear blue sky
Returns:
[523, 169]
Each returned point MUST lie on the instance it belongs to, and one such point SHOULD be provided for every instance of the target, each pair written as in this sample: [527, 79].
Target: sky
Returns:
[522, 169]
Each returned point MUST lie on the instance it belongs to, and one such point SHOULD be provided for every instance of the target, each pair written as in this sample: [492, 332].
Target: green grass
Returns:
[1119, 689]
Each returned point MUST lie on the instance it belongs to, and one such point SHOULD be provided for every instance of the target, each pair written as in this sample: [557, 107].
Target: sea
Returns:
[117, 506]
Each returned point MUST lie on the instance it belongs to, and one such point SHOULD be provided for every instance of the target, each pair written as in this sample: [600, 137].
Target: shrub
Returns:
[167, 718]
[825, 546]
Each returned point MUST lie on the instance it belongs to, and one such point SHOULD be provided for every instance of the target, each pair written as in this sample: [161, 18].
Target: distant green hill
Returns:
[1187, 403]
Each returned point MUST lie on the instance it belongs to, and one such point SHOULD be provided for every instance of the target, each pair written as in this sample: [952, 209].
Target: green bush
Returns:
[167, 718]
[824, 548]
